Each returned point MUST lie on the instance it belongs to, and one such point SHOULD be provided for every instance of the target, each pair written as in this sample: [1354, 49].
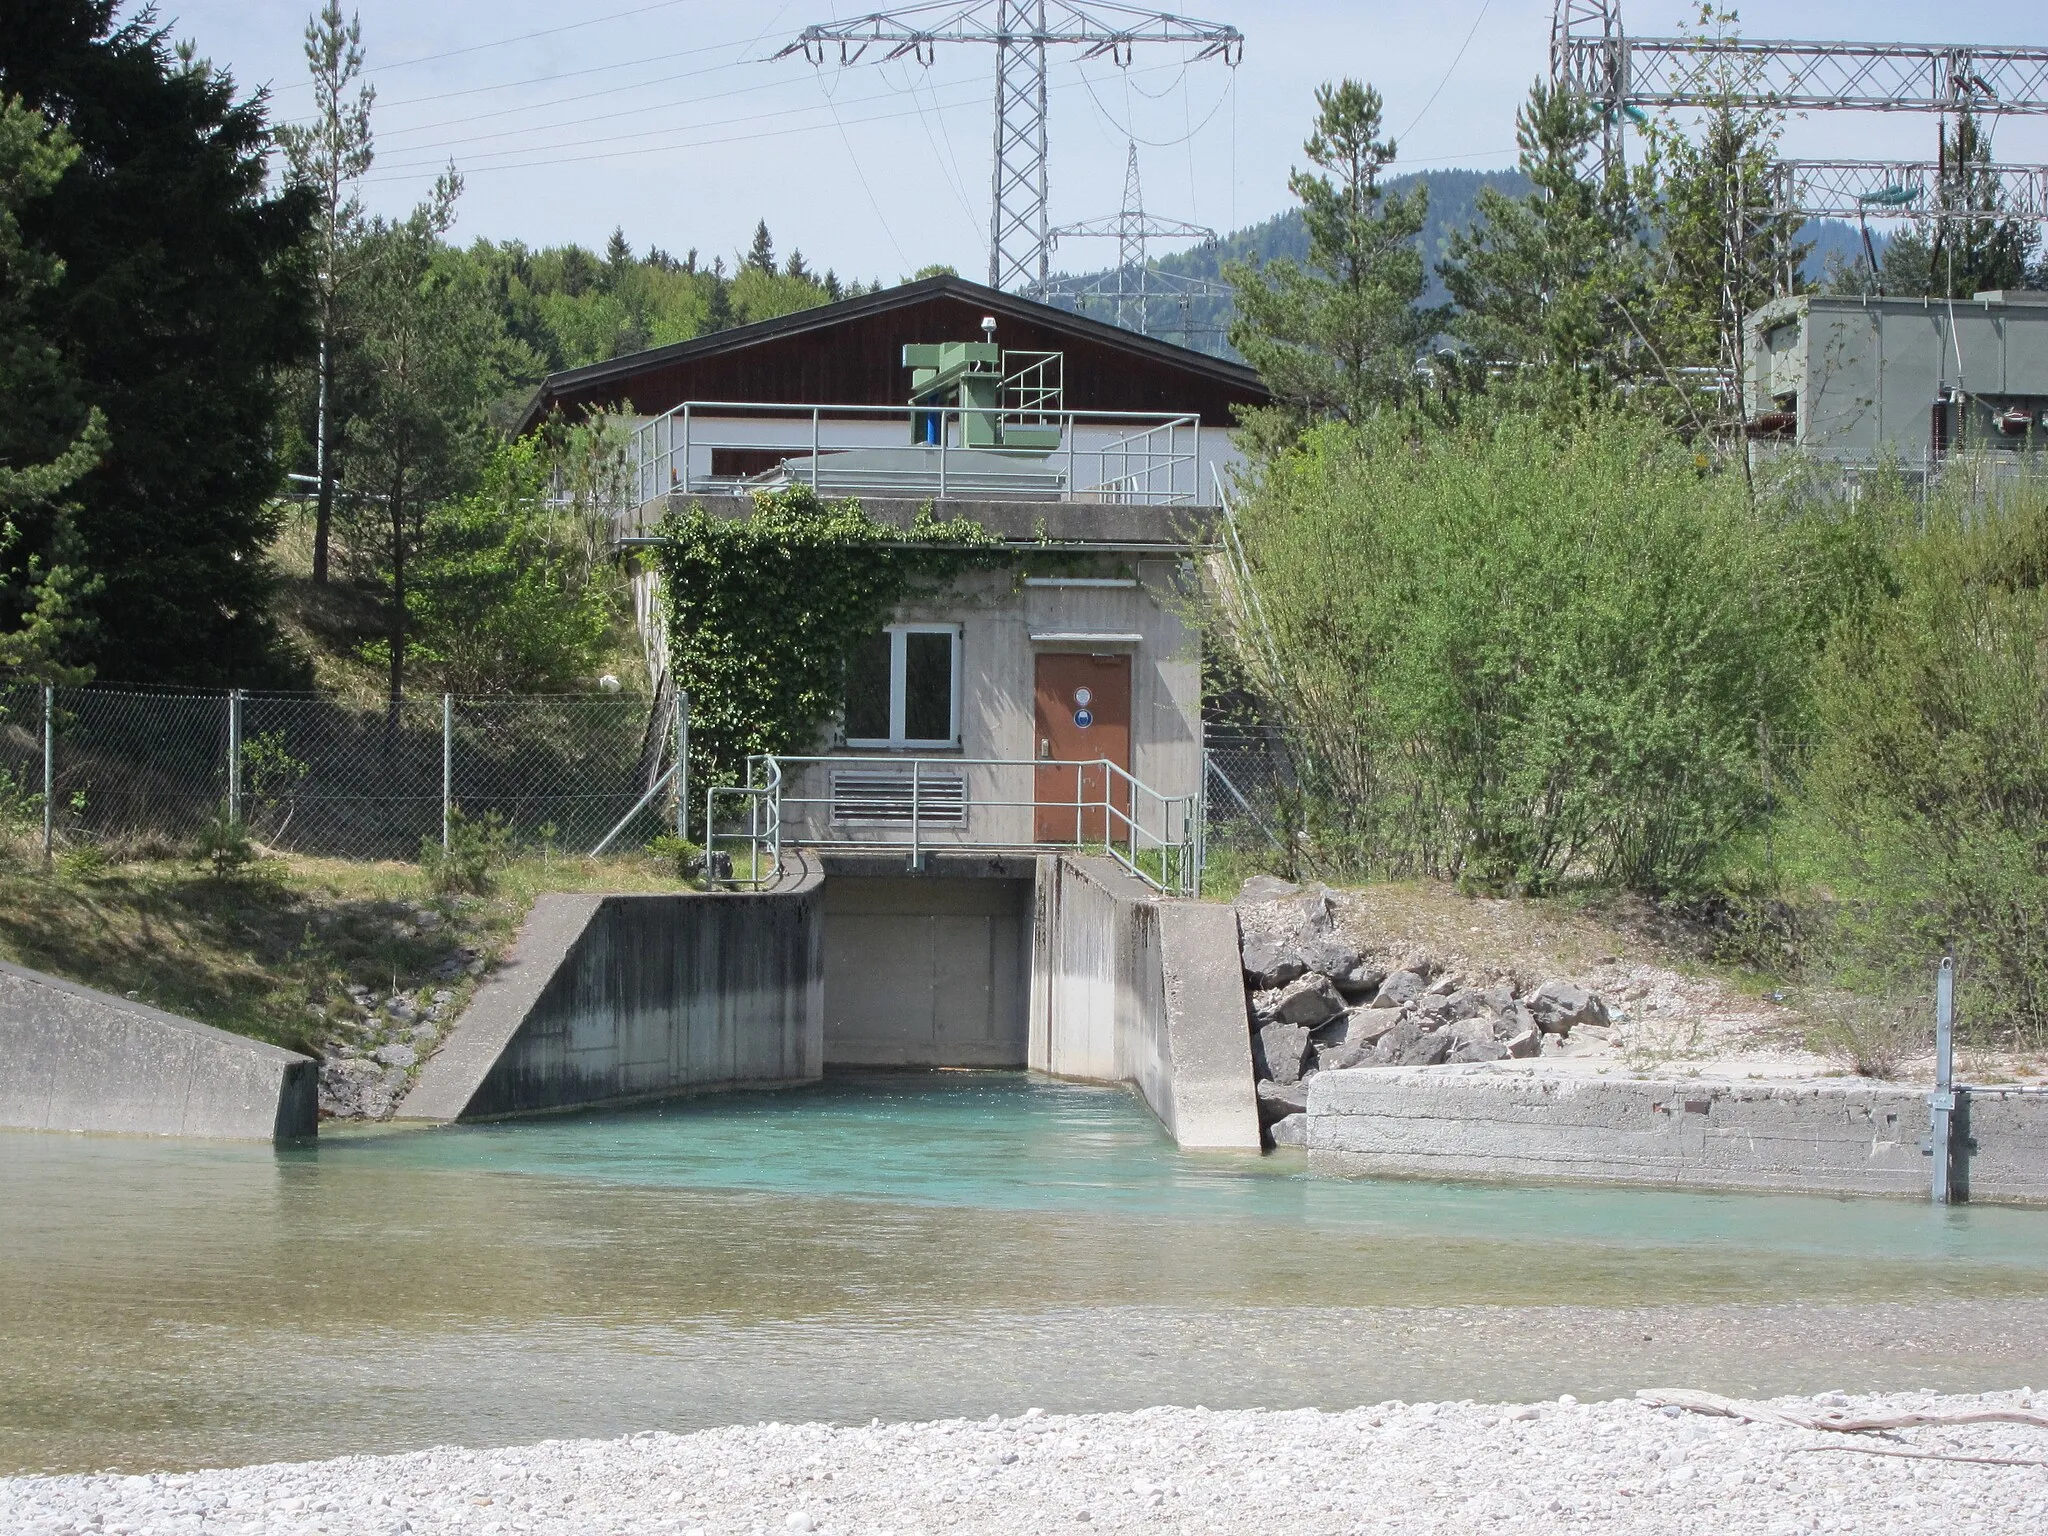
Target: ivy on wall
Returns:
[766, 609]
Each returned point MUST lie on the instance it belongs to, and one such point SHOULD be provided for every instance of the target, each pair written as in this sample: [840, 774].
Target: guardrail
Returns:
[921, 805]
[711, 447]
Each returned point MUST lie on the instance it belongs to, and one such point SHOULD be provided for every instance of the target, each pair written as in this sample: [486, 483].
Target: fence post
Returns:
[447, 763]
[683, 765]
[234, 754]
[1941, 1104]
[49, 769]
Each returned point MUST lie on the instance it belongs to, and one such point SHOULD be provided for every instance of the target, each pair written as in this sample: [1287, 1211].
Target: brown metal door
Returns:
[1083, 717]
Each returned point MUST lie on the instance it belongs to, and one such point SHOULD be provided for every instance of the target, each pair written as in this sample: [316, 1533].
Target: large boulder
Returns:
[1428, 1051]
[1340, 1057]
[1400, 989]
[1310, 1001]
[1271, 960]
[1278, 1100]
[1262, 890]
[1558, 1005]
[1290, 1132]
[1279, 1051]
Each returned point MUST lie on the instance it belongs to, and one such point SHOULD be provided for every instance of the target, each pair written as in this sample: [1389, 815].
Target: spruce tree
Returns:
[185, 296]
[1339, 337]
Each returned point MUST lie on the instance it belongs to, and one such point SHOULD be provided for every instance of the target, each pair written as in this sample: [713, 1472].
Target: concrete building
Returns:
[1048, 706]
[1863, 380]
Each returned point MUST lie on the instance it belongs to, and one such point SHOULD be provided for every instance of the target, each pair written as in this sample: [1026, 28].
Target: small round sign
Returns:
[1083, 698]
[1084, 718]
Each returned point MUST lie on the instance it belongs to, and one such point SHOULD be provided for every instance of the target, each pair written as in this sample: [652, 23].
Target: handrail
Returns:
[1159, 839]
[1143, 459]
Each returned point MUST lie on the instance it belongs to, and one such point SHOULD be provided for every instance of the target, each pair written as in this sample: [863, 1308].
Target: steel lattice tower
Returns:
[1591, 54]
[1020, 234]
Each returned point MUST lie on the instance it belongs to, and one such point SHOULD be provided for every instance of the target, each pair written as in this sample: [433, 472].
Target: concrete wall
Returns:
[72, 1059]
[1480, 1122]
[609, 999]
[998, 616]
[927, 970]
[1128, 988]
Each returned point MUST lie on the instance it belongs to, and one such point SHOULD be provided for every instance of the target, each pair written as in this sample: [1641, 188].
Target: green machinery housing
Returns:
[1001, 399]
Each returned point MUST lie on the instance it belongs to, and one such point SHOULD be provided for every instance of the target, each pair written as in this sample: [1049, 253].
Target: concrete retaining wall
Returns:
[610, 999]
[72, 1059]
[1481, 1122]
[926, 970]
[1127, 988]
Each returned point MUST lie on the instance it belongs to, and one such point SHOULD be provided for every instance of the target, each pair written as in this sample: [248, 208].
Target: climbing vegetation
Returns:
[764, 610]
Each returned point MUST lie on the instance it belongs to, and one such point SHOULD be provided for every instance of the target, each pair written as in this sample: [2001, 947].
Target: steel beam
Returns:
[1901, 189]
[1646, 72]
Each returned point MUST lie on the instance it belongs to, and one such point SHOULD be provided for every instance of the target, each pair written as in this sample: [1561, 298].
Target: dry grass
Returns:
[1869, 1036]
[258, 953]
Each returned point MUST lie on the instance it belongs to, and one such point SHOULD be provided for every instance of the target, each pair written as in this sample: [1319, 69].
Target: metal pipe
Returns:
[447, 765]
[682, 765]
[49, 769]
[234, 754]
[1941, 1103]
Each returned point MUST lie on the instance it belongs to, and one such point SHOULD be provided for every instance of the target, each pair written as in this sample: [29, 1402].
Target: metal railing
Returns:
[922, 805]
[709, 447]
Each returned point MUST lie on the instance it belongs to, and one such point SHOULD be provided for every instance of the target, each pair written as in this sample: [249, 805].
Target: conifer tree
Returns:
[1339, 336]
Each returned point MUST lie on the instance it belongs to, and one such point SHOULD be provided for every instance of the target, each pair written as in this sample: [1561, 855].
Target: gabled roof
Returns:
[847, 353]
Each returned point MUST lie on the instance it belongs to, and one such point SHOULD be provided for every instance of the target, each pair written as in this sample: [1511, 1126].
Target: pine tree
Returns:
[796, 267]
[330, 155]
[1946, 255]
[1544, 283]
[1339, 337]
[762, 257]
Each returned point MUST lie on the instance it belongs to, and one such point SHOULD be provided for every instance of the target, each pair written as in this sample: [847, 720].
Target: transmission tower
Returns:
[1020, 239]
[1132, 287]
[1592, 55]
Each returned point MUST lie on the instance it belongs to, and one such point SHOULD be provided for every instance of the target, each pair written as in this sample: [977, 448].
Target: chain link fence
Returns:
[1248, 776]
[144, 772]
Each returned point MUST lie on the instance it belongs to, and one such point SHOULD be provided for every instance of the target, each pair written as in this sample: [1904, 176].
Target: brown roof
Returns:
[850, 353]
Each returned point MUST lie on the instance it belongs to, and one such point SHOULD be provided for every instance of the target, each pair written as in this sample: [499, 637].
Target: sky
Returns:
[672, 120]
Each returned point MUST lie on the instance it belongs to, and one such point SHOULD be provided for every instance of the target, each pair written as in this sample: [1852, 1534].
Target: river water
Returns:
[907, 1246]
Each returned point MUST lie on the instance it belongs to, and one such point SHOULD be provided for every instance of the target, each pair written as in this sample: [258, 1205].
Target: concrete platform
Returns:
[617, 999]
[74, 1059]
[1845, 1137]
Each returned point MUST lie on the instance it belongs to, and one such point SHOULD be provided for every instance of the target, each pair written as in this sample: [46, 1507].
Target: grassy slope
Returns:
[270, 953]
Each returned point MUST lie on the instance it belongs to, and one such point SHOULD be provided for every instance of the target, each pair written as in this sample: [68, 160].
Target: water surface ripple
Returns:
[908, 1246]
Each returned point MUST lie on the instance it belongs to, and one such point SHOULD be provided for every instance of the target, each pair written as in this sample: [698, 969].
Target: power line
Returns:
[503, 42]
[1455, 62]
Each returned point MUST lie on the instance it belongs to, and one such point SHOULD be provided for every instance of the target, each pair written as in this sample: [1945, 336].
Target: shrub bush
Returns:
[1925, 802]
[476, 846]
[1507, 653]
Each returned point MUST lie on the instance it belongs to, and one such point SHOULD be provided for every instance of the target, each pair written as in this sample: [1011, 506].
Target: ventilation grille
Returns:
[871, 798]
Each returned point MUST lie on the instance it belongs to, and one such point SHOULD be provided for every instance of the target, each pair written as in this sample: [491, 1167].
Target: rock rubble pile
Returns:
[1318, 1001]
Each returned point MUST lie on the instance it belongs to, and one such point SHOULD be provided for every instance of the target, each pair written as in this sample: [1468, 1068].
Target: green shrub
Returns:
[1510, 652]
[1926, 798]
[82, 862]
[679, 852]
[224, 843]
[476, 847]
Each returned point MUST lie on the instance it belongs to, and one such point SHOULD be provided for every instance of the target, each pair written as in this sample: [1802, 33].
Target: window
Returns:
[903, 688]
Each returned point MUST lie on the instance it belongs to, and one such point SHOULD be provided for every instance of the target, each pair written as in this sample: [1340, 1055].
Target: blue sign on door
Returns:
[1084, 718]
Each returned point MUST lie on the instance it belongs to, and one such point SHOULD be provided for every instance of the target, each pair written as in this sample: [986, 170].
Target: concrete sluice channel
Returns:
[907, 1245]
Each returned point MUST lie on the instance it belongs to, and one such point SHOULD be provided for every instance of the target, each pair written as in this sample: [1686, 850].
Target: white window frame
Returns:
[899, 709]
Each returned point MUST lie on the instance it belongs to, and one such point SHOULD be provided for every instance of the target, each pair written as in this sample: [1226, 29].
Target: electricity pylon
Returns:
[1132, 283]
[1622, 76]
[1020, 239]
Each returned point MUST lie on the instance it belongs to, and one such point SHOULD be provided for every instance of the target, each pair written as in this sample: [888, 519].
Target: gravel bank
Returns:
[1455, 1467]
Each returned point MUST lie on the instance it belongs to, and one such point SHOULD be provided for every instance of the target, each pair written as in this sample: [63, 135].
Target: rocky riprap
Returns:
[1319, 1001]
[375, 1041]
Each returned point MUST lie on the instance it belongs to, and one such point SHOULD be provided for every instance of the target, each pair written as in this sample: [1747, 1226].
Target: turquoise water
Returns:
[1008, 1142]
[907, 1246]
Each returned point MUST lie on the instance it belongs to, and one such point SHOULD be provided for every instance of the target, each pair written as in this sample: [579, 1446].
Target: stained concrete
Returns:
[1129, 987]
[73, 1059]
[1848, 1138]
[928, 970]
[612, 999]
